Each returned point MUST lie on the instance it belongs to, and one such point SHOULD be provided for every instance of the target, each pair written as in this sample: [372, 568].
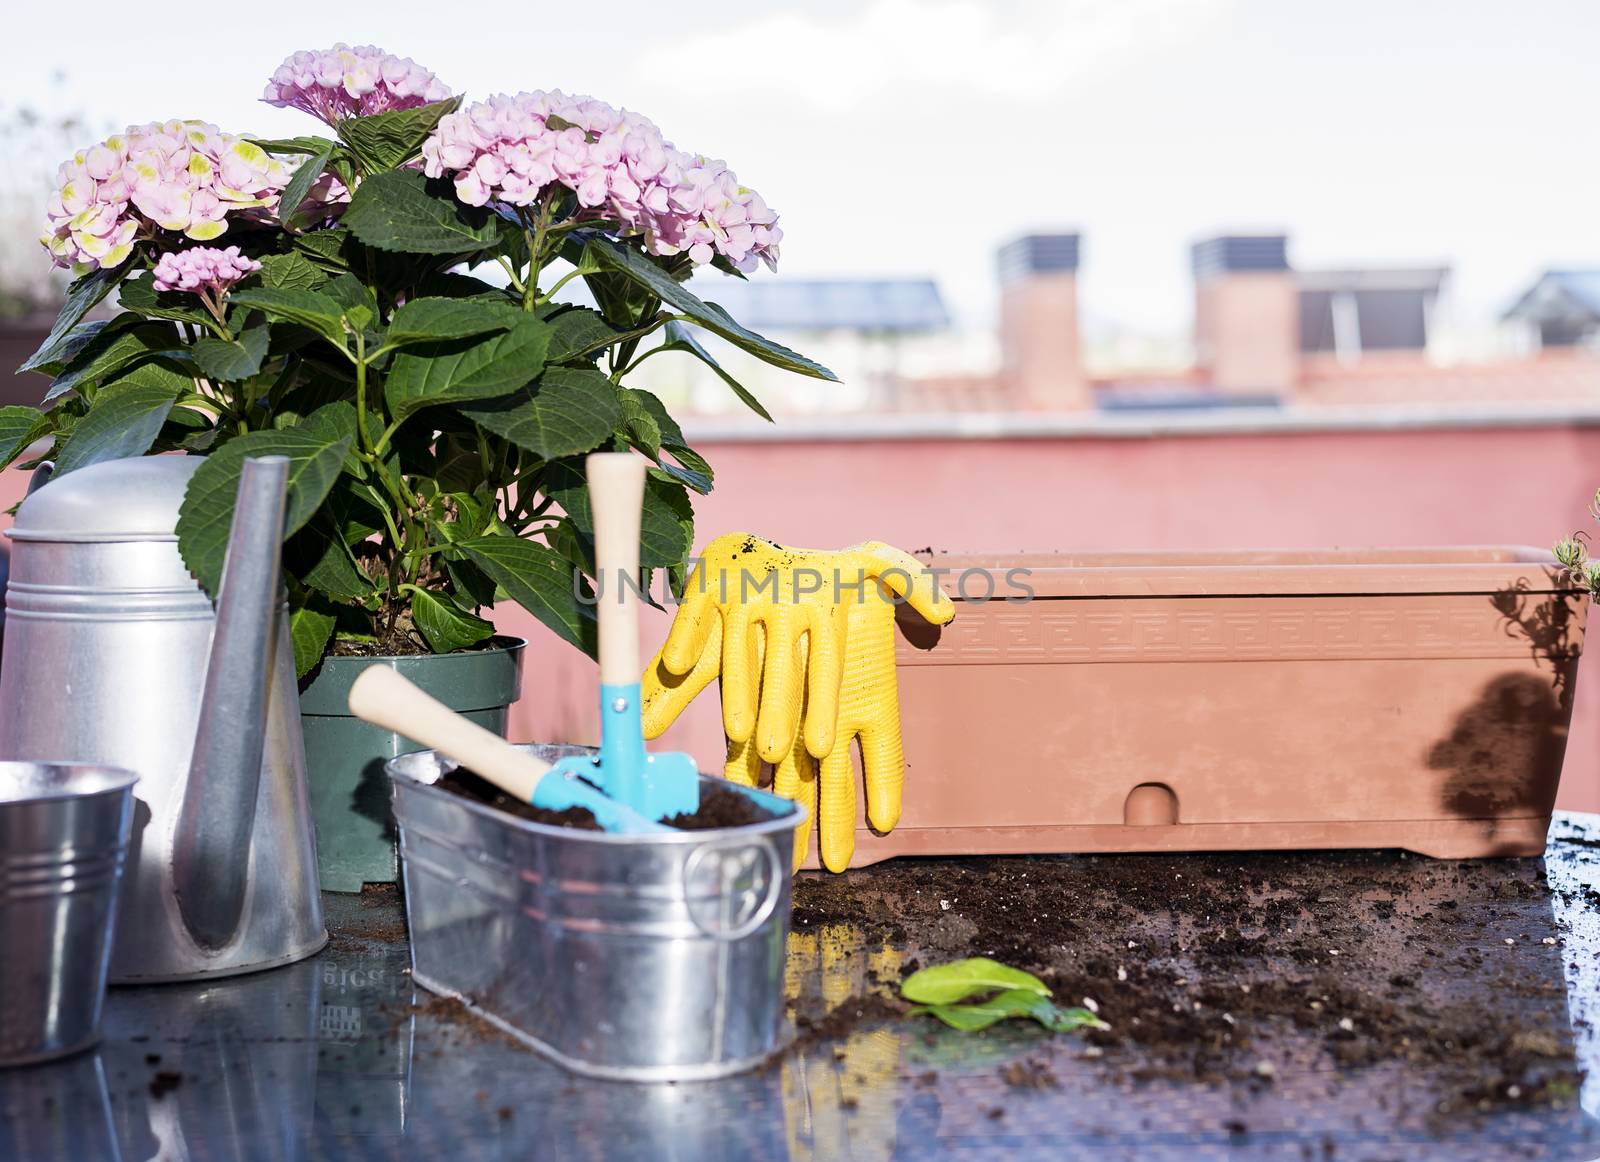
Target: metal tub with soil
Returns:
[632, 957]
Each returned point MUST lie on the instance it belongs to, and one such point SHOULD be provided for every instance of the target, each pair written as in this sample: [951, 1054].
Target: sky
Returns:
[912, 137]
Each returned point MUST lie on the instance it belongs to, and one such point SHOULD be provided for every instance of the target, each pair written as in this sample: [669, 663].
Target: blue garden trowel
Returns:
[627, 790]
[654, 786]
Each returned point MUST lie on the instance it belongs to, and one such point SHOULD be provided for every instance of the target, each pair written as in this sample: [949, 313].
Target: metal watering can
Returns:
[114, 654]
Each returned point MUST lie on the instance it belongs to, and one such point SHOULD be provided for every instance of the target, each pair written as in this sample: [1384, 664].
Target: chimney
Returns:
[1246, 313]
[1040, 362]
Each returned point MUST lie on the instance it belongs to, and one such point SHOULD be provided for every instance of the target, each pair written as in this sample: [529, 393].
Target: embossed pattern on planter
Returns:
[1206, 630]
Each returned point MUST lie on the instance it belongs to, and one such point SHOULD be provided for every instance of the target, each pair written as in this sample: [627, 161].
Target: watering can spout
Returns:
[211, 849]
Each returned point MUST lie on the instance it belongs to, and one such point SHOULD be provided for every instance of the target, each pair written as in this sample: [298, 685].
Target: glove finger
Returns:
[909, 579]
[828, 632]
[698, 613]
[742, 651]
[743, 764]
[836, 810]
[782, 682]
[883, 767]
[664, 695]
[795, 778]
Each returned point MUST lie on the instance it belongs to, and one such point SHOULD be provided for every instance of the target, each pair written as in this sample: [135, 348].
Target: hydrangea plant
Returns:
[435, 417]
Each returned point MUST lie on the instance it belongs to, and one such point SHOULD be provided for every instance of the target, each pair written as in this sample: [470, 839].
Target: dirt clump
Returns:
[471, 785]
[719, 807]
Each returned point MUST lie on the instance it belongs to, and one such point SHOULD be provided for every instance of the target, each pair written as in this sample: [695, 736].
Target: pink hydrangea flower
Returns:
[509, 150]
[184, 176]
[202, 270]
[351, 82]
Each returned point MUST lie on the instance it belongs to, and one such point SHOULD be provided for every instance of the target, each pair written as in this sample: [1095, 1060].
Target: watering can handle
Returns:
[616, 502]
[385, 698]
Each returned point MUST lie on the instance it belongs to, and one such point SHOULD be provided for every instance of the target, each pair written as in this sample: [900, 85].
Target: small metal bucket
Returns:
[635, 958]
[63, 835]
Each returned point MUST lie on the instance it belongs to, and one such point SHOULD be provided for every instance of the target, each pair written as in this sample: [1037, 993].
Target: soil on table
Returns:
[719, 806]
[1223, 970]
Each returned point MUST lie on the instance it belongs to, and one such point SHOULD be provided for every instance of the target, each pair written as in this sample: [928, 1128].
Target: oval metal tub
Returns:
[636, 958]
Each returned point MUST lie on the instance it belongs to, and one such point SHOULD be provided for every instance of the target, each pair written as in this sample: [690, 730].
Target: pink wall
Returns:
[1272, 489]
[1430, 486]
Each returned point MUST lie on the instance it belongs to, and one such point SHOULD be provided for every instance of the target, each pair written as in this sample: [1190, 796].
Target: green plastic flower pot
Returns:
[345, 756]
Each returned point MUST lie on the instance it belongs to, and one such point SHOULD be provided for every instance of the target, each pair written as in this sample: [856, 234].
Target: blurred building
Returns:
[1266, 334]
[1561, 310]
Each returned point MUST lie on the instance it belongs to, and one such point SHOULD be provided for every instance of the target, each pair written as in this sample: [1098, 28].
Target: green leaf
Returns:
[301, 182]
[460, 370]
[540, 581]
[140, 296]
[941, 984]
[310, 628]
[19, 427]
[310, 308]
[125, 420]
[445, 626]
[400, 210]
[471, 583]
[306, 144]
[76, 340]
[291, 271]
[230, 360]
[449, 284]
[321, 559]
[112, 350]
[671, 433]
[325, 247]
[695, 473]
[351, 293]
[680, 338]
[1013, 1003]
[641, 427]
[386, 141]
[156, 373]
[663, 539]
[568, 411]
[578, 333]
[652, 430]
[82, 297]
[437, 319]
[460, 516]
[316, 452]
[353, 512]
[624, 259]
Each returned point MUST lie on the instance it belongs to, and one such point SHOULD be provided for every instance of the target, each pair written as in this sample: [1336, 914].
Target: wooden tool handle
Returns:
[616, 504]
[382, 697]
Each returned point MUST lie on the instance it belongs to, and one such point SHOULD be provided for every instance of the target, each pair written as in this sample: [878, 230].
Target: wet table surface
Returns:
[340, 1057]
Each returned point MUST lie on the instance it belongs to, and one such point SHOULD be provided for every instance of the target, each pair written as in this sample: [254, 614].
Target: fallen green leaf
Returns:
[943, 984]
[1012, 1003]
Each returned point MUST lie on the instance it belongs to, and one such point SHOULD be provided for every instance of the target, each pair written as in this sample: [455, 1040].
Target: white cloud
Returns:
[1011, 51]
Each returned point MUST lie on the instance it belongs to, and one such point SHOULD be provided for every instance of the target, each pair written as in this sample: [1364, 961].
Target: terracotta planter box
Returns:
[1415, 699]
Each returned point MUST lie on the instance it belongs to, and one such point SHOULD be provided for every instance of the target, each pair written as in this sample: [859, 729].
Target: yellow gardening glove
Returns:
[803, 642]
